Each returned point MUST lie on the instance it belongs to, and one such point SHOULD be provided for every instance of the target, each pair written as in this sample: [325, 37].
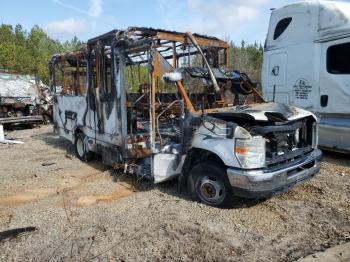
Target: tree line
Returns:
[247, 58]
[28, 52]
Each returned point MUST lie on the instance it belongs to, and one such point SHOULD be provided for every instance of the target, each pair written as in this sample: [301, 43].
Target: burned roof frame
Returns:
[161, 34]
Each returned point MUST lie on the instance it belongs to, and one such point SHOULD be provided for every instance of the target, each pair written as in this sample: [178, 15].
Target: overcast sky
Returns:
[62, 19]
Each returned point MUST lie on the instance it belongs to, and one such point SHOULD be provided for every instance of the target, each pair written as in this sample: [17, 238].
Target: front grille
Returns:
[293, 156]
[289, 144]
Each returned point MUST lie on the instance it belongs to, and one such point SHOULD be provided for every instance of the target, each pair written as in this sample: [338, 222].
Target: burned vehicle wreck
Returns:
[164, 105]
[24, 99]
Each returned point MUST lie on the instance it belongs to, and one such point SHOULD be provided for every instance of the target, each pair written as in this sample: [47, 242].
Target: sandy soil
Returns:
[89, 212]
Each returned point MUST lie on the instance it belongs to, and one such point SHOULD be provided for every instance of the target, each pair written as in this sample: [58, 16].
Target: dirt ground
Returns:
[86, 212]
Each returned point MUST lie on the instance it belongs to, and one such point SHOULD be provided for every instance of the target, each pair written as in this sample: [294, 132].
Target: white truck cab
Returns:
[307, 64]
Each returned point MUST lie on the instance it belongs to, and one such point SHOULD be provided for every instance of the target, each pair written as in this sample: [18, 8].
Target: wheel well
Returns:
[78, 130]
[195, 156]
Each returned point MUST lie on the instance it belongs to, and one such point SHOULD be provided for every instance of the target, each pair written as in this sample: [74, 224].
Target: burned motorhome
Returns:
[165, 105]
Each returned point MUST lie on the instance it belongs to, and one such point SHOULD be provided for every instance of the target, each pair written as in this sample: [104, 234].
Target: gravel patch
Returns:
[88, 212]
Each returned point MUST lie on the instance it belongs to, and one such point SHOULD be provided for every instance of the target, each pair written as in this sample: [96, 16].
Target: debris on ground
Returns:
[7, 141]
[88, 211]
[48, 163]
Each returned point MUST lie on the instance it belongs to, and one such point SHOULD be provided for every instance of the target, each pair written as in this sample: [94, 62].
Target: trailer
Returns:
[307, 64]
[164, 105]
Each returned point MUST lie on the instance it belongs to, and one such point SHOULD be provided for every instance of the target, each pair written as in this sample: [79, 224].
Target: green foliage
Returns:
[29, 52]
[136, 75]
[247, 58]
[72, 45]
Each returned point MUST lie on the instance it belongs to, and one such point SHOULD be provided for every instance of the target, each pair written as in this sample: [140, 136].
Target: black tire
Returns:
[80, 149]
[208, 183]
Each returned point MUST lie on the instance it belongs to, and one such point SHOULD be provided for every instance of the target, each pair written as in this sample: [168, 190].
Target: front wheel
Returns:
[80, 148]
[208, 183]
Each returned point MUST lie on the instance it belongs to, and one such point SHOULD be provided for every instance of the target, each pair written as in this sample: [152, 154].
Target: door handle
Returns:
[275, 70]
[324, 100]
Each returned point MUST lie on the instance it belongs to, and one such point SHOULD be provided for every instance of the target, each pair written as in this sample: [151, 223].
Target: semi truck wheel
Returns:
[80, 149]
[208, 183]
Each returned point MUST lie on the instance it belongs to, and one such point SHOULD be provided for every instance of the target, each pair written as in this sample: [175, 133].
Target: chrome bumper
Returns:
[264, 183]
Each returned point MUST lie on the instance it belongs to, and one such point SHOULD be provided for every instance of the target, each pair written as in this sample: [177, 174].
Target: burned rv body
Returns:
[164, 105]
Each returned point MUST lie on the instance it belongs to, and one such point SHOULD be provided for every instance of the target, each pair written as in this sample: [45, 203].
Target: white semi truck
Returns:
[307, 64]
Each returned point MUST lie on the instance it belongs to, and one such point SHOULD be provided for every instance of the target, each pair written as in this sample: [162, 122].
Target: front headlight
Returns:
[250, 152]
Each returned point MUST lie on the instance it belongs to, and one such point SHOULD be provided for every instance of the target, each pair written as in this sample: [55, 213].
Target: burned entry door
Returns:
[168, 161]
[106, 113]
[68, 81]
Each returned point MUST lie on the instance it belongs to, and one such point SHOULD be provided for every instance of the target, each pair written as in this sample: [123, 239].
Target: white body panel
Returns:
[167, 166]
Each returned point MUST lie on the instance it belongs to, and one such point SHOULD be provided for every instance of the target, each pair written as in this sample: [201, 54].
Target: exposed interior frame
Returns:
[124, 69]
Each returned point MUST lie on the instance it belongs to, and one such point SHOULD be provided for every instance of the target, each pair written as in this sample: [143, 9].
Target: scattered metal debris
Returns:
[6, 141]
[48, 163]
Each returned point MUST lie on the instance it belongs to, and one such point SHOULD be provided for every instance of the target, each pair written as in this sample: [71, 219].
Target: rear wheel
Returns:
[80, 148]
[208, 183]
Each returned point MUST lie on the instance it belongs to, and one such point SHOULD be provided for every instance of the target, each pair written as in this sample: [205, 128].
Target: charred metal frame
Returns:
[119, 49]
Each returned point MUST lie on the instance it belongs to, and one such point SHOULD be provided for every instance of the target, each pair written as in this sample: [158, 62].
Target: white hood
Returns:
[265, 112]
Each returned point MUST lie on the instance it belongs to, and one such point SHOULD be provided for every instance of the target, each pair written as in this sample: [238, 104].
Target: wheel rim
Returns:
[80, 147]
[210, 189]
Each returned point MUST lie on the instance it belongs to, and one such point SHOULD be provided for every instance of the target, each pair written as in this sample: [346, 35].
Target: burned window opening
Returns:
[69, 74]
